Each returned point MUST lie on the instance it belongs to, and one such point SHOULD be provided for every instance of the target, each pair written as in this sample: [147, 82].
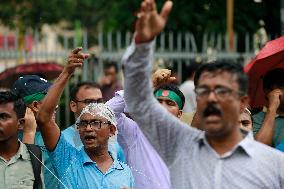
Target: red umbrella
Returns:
[270, 57]
[49, 71]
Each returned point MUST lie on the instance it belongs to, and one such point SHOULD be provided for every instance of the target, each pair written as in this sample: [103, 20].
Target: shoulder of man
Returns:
[68, 130]
[268, 153]
[259, 117]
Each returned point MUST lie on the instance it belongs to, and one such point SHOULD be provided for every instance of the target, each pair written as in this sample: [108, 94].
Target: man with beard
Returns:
[219, 156]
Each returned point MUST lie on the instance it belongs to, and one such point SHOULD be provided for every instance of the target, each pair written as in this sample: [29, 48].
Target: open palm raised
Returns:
[150, 23]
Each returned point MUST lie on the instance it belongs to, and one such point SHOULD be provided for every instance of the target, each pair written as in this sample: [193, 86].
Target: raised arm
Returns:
[48, 128]
[264, 132]
[161, 128]
[127, 128]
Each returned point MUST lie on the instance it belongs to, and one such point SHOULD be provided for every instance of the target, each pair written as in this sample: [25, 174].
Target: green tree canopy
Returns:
[197, 16]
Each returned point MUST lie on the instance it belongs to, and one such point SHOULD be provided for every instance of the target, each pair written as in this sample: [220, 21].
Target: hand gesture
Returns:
[75, 59]
[274, 99]
[161, 77]
[30, 122]
[105, 80]
[150, 23]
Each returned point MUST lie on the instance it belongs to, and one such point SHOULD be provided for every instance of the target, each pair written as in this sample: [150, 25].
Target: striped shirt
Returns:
[192, 162]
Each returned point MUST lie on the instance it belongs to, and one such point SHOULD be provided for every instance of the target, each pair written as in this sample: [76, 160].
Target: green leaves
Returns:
[197, 16]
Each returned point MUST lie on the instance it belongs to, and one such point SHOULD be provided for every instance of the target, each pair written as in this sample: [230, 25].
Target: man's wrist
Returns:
[65, 75]
[29, 134]
[138, 40]
[272, 110]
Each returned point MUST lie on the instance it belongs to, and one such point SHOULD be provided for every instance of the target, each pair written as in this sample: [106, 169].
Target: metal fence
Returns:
[176, 48]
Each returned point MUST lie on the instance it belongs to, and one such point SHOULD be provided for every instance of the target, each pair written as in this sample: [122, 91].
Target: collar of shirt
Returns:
[22, 153]
[245, 145]
[86, 159]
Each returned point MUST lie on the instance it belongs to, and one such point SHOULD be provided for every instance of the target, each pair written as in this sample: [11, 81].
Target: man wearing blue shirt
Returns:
[92, 166]
[81, 95]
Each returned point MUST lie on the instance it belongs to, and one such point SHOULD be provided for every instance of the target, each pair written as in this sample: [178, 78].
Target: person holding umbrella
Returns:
[268, 124]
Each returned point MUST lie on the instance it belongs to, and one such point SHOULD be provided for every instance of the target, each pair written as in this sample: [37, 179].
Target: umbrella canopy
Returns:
[49, 71]
[269, 58]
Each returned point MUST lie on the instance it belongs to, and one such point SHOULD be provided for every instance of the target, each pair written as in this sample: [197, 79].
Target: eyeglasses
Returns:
[89, 101]
[94, 124]
[220, 92]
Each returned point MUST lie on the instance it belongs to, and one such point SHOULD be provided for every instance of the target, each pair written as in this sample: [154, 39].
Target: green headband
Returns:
[34, 97]
[169, 94]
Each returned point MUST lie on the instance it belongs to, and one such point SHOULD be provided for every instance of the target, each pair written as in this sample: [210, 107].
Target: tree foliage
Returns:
[197, 16]
[26, 14]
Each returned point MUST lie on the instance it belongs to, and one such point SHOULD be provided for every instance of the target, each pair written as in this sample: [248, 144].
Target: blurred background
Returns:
[37, 35]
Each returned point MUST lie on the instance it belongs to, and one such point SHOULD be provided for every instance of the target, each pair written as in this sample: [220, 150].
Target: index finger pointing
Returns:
[76, 50]
[166, 9]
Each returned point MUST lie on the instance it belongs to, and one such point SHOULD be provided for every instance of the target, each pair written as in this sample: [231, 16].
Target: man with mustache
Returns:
[219, 156]
[91, 166]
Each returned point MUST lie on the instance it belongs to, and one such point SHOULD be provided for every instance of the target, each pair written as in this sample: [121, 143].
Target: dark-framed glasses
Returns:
[94, 124]
[220, 92]
[89, 101]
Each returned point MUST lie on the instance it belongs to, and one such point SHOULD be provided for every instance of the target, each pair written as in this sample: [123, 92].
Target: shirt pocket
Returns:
[24, 183]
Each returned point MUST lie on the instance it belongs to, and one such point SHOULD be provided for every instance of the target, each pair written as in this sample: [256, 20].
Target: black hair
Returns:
[233, 68]
[88, 84]
[273, 78]
[110, 64]
[191, 69]
[19, 105]
[174, 88]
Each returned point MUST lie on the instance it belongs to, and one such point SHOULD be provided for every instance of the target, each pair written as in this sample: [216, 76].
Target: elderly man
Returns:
[219, 156]
[81, 95]
[92, 166]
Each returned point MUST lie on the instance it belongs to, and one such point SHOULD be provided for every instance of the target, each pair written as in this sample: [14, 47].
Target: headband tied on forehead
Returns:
[169, 94]
[34, 97]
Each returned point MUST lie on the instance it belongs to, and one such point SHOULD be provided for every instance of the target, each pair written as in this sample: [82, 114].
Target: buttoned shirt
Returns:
[17, 173]
[72, 136]
[192, 162]
[76, 170]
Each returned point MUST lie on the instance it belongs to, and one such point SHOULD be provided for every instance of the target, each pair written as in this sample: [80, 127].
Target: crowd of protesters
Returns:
[135, 137]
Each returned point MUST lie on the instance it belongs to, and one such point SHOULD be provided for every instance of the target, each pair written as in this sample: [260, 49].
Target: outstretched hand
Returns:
[149, 22]
[75, 59]
[161, 77]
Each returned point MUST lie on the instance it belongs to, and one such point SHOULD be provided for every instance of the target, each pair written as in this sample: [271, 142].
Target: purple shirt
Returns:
[108, 91]
[148, 168]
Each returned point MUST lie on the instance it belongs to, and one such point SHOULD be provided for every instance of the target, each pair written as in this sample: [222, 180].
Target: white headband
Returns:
[101, 110]
[104, 111]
